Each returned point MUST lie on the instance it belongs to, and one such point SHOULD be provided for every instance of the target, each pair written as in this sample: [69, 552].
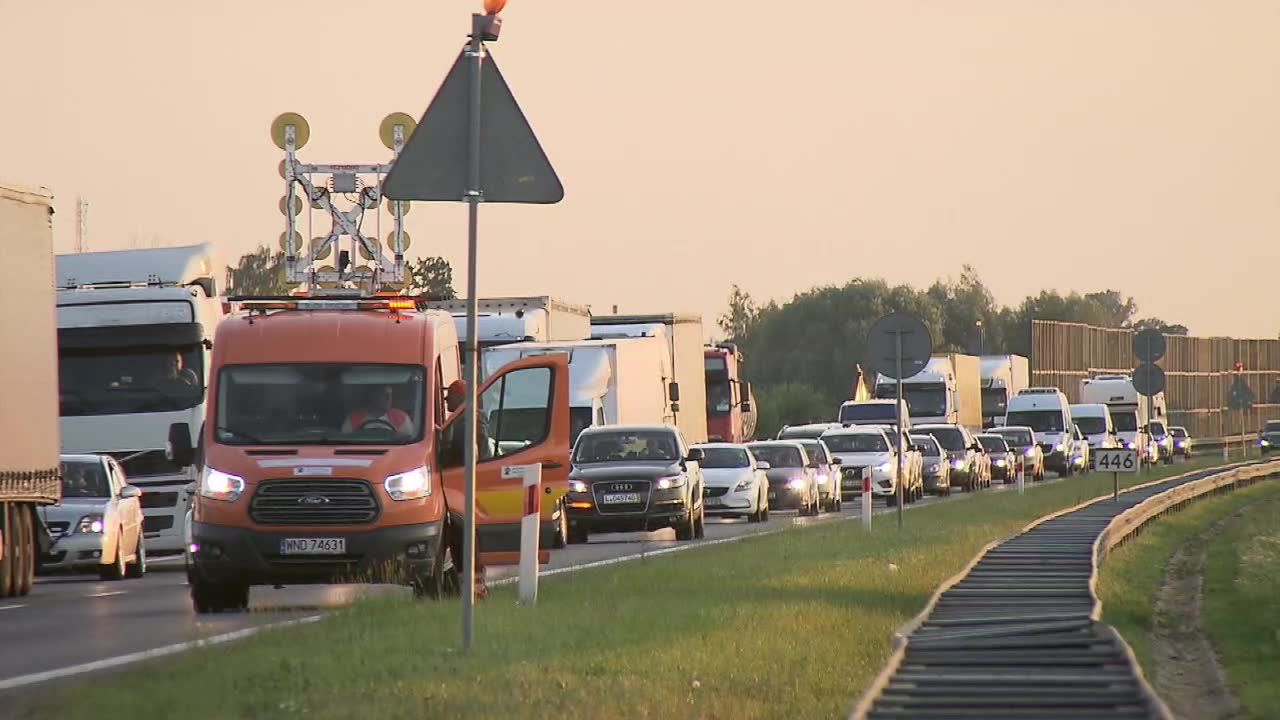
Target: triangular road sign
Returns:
[433, 163]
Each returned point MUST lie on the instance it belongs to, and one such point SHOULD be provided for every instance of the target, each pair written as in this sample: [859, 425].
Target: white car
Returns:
[863, 447]
[98, 523]
[735, 484]
[827, 474]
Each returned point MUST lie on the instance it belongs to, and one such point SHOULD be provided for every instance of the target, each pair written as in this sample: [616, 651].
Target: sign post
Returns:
[1239, 397]
[1148, 378]
[1117, 460]
[899, 346]
[473, 145]
[529, 526]
[1022, 474]
[866, 497]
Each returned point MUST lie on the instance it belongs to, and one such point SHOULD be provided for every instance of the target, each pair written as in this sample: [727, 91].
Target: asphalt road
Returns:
[71, 625]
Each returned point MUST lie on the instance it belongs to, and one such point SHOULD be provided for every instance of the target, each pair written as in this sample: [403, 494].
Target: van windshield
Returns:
[320, 404]
[1125, 421]
[1040, 421]
[863, 413]
[860, 443]
[1091, 425]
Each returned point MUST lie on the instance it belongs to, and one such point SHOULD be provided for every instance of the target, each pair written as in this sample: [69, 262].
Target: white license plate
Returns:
[313, 546]
[620, 498]
[714, 502]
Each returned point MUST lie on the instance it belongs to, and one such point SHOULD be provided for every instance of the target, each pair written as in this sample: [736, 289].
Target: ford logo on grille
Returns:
[621, 487]
[312, 500]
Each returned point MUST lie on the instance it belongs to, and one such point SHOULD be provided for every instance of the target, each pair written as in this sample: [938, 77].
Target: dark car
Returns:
[1269, 436]
[935, 467]
[970, 466]
[792, 475]
[1004, 461]
[1023, 441]
[632, 479]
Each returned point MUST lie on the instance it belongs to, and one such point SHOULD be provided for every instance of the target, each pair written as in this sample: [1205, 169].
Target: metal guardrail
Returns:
[1017, 632]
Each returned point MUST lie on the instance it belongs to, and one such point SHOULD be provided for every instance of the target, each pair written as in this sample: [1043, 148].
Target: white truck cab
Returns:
[1046, 411]
[135, 330]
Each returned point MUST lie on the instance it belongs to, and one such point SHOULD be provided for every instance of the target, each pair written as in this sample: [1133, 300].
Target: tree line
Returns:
[802, 355]
[261, 272]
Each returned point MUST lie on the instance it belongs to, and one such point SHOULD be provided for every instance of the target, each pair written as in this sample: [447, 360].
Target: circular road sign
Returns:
[882, 345]
[1149, 345]
[1148, 379]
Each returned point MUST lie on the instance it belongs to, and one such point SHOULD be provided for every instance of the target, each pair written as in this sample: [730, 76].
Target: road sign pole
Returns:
[475, 54]
[1115, 491]
[898, 410]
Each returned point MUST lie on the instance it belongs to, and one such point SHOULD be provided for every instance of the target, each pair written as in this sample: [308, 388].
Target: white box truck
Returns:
[29, 468]
[611, 382]
[503, 320]
[135, 331]
[1003, 376]
[684, 338]
[947, 391]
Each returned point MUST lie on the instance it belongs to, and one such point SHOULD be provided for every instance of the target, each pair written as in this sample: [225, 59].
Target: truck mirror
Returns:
[179, 449]
[673, 392]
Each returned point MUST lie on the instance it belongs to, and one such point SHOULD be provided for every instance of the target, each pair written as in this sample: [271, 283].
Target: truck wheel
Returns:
[138, 567]
[685, 528]
[209, 597]
[114, 571]
[26, 568]
[6, 552]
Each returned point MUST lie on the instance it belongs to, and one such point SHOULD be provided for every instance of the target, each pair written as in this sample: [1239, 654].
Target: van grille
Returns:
[313, 502]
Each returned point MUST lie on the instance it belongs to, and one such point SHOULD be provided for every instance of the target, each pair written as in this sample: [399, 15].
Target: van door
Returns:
[524, 407]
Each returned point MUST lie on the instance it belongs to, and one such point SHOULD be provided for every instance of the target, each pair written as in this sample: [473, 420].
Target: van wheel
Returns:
[561, 537]
[209, 597]
[443, 581]
[138, 567]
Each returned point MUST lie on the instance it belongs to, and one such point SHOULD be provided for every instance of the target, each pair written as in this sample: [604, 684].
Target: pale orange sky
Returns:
[780, 145]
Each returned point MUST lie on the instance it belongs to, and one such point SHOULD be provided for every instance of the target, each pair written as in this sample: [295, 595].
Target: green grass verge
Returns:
[1242, 580]
[790, 625]
[1242, 605]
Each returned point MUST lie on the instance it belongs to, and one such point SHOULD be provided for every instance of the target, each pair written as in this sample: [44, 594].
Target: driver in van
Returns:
[379, 411]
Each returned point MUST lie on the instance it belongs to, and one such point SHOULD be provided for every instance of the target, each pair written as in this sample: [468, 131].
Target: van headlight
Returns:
[217, 485]
[409, 485]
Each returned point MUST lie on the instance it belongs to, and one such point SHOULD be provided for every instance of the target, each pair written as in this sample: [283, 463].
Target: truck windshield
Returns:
[84, 480]
[1038, 420]
[625, 445]
[994, 401]
[860, 443]
[719, 396]
[778, 456]
[724, 457]
[923, 399]
[117, 381]
[862, 413]
[320, 404]
[1125, 421]
[1092, 425]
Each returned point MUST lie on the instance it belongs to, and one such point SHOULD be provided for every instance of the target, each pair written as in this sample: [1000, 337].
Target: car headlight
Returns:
[90, 524]
[217, 485]
[666, 483]
[796, 483]
[821, 478]
[1061, 447]
[957, 464]
[935, 467]
[1030, 452]
[578, 486]
[884, 467]
[1000, 462]
[1128, 445]
[1264, 442]
[1181, 444]
[409, 485]
[743, 484]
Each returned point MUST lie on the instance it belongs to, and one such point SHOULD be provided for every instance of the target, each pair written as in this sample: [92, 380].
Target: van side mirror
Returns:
[746, 406]
[130, 491]
[695, 455]
[179, 450]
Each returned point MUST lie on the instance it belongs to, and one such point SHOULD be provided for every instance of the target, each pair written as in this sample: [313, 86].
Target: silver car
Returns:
[98, 522]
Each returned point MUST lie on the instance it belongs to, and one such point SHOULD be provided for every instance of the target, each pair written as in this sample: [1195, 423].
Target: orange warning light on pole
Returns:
[493, 7]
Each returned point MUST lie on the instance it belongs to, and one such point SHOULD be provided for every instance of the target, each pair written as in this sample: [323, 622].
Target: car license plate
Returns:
[714, 502]
[313, 546]
[620, 498]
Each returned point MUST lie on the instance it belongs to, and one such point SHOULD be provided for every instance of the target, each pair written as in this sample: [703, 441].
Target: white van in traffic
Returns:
[1095, 422]
[1046, 411]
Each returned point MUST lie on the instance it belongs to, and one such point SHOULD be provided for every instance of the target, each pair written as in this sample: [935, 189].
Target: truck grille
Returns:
[609, 487]
[158, 499]
[313, 502]
[156, 523]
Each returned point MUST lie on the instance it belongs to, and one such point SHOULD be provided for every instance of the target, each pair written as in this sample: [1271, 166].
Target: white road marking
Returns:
[11, 607]
[119, 660]
[107, 594]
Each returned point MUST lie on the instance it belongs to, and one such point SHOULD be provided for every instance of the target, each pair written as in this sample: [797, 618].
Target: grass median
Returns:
[788, 625]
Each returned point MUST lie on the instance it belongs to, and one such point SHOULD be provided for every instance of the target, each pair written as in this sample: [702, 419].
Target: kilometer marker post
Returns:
[866, 497]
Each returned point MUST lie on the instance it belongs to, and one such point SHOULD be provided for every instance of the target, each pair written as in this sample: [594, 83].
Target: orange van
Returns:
[328, 453]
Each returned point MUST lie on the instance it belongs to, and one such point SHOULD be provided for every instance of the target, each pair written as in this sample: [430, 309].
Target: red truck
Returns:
[731, 416]
[330, 451]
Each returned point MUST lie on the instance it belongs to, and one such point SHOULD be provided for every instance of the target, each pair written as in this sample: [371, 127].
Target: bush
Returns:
[789, 404]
